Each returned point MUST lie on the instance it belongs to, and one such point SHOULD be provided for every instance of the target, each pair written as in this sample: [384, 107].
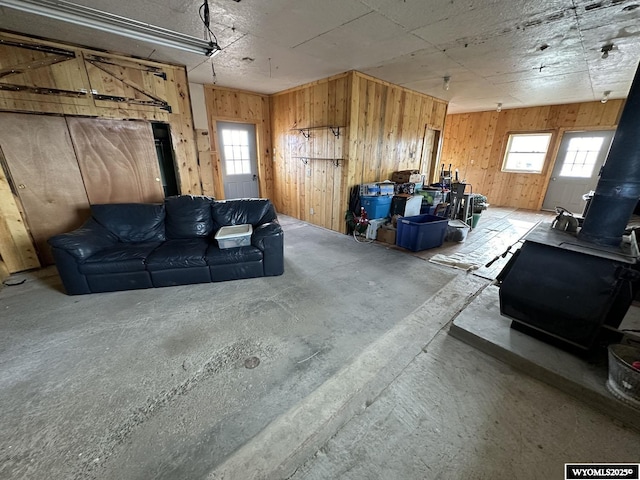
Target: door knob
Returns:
[255, 177]
[553, 179]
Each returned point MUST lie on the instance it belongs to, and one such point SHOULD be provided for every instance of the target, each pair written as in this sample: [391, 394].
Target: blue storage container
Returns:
[376, 207]
[421, 232]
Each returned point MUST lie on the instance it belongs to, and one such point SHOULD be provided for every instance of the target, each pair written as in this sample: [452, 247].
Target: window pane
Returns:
[235, 146]
[526, 152]
[581, 157]
[525, 161]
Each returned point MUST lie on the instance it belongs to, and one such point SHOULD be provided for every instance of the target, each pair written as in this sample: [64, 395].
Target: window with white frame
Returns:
[526, 152]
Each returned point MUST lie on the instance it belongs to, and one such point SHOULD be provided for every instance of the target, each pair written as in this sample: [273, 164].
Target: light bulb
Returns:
[499, 108]
[605, 96]
[606, 49]
[446, 84]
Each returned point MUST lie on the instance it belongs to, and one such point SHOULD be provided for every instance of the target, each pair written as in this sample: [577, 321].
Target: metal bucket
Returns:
[624, 380]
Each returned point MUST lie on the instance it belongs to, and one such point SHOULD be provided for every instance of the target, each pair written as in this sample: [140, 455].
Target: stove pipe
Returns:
[618, 189]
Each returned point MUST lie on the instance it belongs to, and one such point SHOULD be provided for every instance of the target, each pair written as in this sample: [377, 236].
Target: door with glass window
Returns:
[239, 159]
[580, 158]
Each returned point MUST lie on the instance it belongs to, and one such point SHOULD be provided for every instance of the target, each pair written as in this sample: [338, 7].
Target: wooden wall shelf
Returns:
[305, 160]
[306, 131]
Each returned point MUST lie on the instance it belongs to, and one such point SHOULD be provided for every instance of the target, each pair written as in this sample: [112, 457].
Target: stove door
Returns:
[565, 294]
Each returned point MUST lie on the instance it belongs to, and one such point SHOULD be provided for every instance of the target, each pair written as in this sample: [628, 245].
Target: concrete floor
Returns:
[456, 413]
[357, 379]
[152, 383]
[482, 326]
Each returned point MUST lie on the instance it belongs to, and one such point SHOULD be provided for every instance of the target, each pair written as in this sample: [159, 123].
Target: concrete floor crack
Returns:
[225, 359]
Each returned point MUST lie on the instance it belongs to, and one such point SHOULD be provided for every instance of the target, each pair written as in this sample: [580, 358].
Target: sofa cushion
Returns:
[179, 254]
[255, 211]
[119, 258]
[132, 222]
[218, 256]
[188, 216]
[84, 241]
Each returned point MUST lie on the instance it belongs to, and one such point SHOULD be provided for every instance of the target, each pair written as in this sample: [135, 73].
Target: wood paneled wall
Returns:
[475, 144]
[49, 77]
[383, 128]
[229, 105]
[307, 182]
[388, 129]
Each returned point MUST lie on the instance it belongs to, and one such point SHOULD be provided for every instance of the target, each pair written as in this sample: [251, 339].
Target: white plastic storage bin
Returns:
[386, 188]
[234, 236]
[369, 189]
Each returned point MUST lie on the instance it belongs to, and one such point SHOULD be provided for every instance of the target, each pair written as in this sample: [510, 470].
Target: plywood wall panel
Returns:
[475, 144]
[45, 174]
[73, 96]
[16, 246]
[117, 160]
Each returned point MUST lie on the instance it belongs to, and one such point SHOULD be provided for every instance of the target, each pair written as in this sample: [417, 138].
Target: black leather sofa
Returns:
[138, 245]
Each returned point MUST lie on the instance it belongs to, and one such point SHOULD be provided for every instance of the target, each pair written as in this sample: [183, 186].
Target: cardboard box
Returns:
[403, 176]
[386, 234]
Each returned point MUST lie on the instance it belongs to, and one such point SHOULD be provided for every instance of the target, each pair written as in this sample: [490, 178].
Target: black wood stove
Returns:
[573, 289]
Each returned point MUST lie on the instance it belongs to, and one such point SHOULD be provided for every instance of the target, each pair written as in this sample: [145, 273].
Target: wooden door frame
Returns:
[215, 147]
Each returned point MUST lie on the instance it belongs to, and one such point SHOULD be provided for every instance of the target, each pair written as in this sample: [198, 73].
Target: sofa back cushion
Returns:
[132, 222]
[255, 211]
[188, 216]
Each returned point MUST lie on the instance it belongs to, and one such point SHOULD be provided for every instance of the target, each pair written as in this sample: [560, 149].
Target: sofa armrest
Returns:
[269, 238]
[85, 241]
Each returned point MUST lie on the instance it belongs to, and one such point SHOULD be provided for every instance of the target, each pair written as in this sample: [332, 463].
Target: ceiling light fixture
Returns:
[108, 22]
[499, 108]
[605, 96]
[447, 83]
[606, 49]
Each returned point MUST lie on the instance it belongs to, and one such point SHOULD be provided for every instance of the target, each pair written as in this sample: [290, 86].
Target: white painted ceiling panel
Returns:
[251, 64]
[370, 38]
[298, 21]
[544, 89]
[519, 53]
[416, 66]
[481, 24]
[413, 14]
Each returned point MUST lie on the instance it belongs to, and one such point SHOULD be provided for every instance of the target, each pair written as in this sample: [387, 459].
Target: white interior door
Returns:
[580, 158]
[239, 159]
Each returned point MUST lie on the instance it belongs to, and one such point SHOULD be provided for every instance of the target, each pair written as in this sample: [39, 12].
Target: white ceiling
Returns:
[516, 52]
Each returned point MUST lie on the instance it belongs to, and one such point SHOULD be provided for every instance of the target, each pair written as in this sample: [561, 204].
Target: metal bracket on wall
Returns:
[306, 131]
[335, 161]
